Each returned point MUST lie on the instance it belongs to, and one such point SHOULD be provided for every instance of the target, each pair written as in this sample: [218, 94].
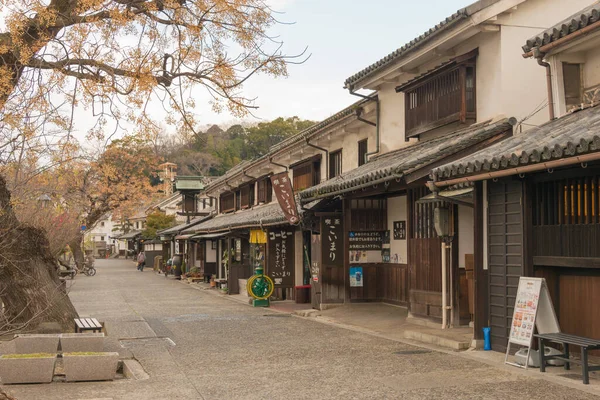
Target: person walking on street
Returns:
[141, 260]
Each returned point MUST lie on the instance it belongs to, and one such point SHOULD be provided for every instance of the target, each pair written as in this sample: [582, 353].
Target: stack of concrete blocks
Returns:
[35, 357]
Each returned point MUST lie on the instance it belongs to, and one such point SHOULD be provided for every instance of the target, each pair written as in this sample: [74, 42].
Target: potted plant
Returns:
[213, 283]
[27, 368]
[90, 366]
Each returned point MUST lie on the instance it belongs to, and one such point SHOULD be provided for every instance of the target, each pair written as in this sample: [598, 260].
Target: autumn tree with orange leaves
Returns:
[110, 59]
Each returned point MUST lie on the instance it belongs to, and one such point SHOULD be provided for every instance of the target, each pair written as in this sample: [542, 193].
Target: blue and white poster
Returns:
[356, 277]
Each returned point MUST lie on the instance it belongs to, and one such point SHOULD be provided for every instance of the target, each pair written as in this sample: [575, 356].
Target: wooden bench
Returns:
[87, 325]
[585, 344]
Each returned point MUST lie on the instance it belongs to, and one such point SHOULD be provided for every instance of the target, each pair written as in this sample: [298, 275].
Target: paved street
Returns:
[198, 345]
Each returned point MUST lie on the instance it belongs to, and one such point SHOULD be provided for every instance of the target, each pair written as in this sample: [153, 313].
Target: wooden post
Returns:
[479, 274]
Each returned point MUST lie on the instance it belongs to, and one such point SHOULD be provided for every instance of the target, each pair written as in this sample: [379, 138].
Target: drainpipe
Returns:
[326, 156]
[539, 56]
[376, 124]
[444, 288]
[277, 164]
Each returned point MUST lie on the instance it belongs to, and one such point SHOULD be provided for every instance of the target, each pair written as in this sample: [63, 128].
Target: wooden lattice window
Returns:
[570, 201]
[368, 214]
[442, 97]
[422, 226]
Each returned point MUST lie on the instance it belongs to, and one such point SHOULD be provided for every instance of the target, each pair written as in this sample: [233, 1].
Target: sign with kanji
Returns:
[366, 240]
[285, 196]
[281, 259]
[399, 230]
[332, 233]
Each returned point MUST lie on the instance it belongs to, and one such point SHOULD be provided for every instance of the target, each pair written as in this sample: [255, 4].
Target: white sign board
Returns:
[533, 308]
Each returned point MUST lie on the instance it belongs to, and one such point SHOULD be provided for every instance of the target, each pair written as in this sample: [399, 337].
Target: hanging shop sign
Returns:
[285, 196]
[332, 231]
[356, 277]
[372, 240]
[281, 256]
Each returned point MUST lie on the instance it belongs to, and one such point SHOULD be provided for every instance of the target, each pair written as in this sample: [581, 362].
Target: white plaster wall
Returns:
[591, 69]
[211, 255]
[397, 210]
[391, 118]
[466, 240]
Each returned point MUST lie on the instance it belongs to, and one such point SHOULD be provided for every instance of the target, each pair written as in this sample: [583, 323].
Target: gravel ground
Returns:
[198, 345]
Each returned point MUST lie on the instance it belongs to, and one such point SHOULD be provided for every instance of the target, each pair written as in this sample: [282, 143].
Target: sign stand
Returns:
[533, 308]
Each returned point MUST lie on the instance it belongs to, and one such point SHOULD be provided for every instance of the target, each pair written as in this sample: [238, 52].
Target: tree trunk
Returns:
[78, 254]
[29, 285]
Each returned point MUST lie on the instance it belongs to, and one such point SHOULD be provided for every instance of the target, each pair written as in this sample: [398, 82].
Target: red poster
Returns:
[285, 196]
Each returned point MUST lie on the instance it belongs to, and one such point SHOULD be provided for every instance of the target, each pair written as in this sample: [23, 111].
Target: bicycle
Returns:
[88, 267]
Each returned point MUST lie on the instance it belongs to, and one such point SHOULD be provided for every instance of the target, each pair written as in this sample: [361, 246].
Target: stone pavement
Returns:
[197, 345]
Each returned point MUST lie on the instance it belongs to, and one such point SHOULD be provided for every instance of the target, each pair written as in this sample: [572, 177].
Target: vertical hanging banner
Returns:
[285, 196]
[332, 232]
[281, 256]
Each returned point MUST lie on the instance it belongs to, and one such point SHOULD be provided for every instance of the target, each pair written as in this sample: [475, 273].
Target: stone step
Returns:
[431, 337]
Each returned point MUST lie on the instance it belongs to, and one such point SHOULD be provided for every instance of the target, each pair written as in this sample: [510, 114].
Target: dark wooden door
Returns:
[505, 255]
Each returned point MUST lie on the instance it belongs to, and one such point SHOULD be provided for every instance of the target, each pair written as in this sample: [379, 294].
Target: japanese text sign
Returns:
[366, 240]
[285, 197]
[332, 232]
[281, 259]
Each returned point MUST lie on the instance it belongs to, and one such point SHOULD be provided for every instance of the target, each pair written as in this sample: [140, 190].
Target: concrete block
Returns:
[242, 285]
[90, 366]
[36, 343]
[28, 368]
[133, 370]
[82, 342]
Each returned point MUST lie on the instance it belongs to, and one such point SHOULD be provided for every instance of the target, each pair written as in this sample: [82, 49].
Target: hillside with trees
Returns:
[215, 150]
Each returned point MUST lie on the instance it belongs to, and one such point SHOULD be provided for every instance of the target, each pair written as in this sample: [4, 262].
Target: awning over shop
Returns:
[408, 164]
[460, 196]
[574, 136]
[258, 217]
[183, 237]
[209, 236]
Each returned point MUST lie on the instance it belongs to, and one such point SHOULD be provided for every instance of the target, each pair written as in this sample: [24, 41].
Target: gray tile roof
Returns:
[410, 46]
[266, 215]
[350, 110]
[181, 227]
[575, 22]
[396, 164]
[571, 135]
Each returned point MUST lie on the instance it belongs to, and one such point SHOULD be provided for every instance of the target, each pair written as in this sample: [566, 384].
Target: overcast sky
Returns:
[343, 37]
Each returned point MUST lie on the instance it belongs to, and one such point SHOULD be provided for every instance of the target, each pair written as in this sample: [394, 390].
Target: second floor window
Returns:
[442, 97]
[335, 164]
[306, 174]
[265, 190]
[572, 83]
[227, 201]
[362, 152]
[247, 193]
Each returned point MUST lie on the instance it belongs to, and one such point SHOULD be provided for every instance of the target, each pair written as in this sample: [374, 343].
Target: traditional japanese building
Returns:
[537, 196]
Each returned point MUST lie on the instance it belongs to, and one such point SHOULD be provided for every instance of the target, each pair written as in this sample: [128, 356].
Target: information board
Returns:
[533, 308]
[372, 240]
